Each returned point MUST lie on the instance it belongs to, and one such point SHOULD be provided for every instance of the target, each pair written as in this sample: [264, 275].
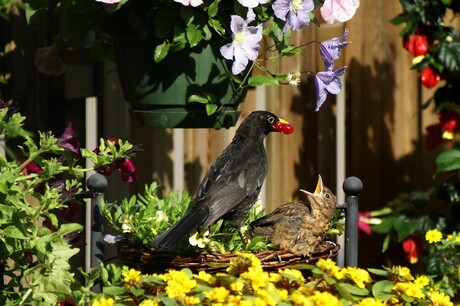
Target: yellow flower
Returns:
[359, 276]
[233, 300]
[369, 301]
[409, 289]
[324, 299]
[456, 239]
[132, 277]
[330, 267]
[149, 302]
[294, 273]
[257, 277]
[179, 284]
[440, 299]
[422, 281]
[243, 262]
[417, 59]
[217, 295]
[237, 286]
[209, 278]
[433, 236]
[403, 273]
[103, 302]
[265, 296]
[191, 300]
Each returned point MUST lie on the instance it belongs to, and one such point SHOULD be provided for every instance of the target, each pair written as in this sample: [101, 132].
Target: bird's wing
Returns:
[242, 172]
[286, 211]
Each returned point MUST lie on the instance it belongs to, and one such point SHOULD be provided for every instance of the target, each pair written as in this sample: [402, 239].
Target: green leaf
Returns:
[113, 290]
[449, 56]
[379, 272]
[13, 231]
[448, 160]
[213, 8]
[216, 25]
[260, 80]
[355, 290]
[160, 52]
[382, 289]
[137, 291]
[211, 109]
[193, 34]
[69, 228]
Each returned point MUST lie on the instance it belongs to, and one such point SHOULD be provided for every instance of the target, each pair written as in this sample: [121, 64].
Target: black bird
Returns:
[298, 227]
[233, 182]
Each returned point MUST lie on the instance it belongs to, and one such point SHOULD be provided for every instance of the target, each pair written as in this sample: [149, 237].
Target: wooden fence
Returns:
[384, 133]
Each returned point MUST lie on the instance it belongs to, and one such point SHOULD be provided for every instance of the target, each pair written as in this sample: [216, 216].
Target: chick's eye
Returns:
[271, 120]
[328, 195]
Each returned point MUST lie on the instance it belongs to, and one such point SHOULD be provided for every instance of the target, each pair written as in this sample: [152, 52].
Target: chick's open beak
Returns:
[318, 189]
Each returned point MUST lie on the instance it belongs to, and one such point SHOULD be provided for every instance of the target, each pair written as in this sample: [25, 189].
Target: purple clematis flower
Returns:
[327, 82]
[330, 49]
[296, 13]
[245, 42]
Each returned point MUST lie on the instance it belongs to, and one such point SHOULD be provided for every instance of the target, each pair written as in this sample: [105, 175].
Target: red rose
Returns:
[416, 44]
[430, 77]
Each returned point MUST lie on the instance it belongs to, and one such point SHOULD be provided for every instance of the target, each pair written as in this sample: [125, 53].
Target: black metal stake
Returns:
[352, 186]
[97, 183]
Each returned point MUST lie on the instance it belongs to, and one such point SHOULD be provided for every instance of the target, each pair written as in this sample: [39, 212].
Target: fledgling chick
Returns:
[298, 227]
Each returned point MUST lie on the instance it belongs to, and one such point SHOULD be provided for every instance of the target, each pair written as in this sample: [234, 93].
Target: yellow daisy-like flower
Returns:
[294, 273]
[103, 302]
[131, 277]
[369, 301]
[237, 286]
[234, 300]
[266, 297]
[209, 278]
[257, 277]
[433, 236]
[403, 273]
[409, 289]
[217, 295]
[330, 267]
[324, 299]
[191, 300]
[451, 237]
[422, 281]
[440, 299]
[149, 302]
[179, 284]
[243, 262]
[359, 276]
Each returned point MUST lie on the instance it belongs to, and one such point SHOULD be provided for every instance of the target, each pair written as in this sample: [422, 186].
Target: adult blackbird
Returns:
[298, 227]
[233, 182]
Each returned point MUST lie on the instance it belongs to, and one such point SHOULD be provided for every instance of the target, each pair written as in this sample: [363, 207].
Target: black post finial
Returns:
[352, 186]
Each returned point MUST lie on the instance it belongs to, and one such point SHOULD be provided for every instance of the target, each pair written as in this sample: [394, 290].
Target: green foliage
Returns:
[34, 258]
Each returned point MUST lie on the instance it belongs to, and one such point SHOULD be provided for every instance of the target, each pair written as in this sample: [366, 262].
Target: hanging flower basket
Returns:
[148, 260]
[160, 93]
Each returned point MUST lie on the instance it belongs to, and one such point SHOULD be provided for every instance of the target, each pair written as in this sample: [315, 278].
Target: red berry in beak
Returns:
[284, 127]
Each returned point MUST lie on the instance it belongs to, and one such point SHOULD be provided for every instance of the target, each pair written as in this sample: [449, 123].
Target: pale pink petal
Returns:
[338, 10]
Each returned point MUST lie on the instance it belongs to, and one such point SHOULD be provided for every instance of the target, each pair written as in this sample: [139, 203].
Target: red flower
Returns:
[124, 166]
[430, 77]
[30, 168]
[412, 246]
[449, 122]
[416, 44]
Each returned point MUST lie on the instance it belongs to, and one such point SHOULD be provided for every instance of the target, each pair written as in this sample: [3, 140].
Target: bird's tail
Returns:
[190, 220]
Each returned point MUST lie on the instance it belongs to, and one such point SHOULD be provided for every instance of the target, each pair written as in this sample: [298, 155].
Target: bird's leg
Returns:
[242, 238]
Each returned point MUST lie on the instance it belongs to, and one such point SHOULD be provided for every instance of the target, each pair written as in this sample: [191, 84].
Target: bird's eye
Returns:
[271, 120]
[328, 195]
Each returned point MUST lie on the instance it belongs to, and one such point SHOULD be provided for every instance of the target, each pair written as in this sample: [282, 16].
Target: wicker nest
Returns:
[148, 260]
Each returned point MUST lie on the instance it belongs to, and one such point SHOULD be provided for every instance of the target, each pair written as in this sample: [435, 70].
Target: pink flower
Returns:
[339, 10]
[362, 222]
[193, 3]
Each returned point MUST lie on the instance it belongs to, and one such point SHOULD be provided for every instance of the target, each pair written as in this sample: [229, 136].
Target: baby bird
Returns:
[298, 227]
